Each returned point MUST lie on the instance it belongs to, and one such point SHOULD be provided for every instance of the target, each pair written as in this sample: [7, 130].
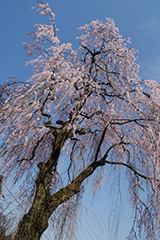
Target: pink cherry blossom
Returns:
[96, 96]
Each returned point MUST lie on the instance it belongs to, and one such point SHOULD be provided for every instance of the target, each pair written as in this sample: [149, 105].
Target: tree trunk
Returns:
[35, 222]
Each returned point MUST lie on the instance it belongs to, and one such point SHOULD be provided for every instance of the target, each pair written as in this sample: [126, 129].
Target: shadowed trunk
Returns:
[35, 222]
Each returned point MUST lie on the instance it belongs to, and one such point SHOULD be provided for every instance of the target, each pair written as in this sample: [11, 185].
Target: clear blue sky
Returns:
[138, 19]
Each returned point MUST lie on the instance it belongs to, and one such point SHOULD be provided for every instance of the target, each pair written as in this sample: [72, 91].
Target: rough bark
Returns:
[35, 222]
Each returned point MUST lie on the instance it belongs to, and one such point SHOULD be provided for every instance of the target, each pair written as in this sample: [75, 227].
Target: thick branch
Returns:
[74, 187]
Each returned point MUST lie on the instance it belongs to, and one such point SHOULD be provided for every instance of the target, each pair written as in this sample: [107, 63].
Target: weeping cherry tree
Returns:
[81, 112]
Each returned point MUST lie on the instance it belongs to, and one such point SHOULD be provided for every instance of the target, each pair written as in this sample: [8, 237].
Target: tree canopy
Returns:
[81, 111]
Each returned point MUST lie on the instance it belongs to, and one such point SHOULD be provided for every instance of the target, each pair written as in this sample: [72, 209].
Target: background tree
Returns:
[79, 112]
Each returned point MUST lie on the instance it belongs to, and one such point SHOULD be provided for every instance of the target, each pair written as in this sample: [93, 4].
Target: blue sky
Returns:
[138, 19]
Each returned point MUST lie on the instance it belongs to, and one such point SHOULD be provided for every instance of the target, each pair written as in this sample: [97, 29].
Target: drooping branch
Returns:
[49, 122]
[131, 167]
[33, 152]
[100, 143]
